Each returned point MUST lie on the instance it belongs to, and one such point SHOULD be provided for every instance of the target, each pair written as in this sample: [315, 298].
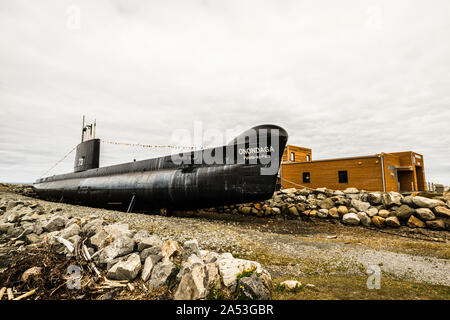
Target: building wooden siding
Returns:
[364, 173]
[398, 171]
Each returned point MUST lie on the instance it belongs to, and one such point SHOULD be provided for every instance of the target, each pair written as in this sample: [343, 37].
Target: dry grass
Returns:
[351, 287]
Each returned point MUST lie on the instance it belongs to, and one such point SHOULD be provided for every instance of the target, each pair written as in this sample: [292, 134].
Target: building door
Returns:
[406, 180]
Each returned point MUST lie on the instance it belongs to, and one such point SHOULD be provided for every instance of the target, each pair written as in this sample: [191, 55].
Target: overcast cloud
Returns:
[344, 78]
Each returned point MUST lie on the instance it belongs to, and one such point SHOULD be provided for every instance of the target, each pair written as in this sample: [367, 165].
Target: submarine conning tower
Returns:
[88, 151]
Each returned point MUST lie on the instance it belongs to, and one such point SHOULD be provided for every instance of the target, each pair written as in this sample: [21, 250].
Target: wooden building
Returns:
[398, 171]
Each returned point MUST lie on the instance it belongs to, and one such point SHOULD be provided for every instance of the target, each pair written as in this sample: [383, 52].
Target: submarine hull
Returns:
[238, 177]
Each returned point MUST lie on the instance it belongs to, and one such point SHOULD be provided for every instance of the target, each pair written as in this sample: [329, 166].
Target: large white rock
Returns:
[55, 223]
[119, 247]
[187, 266]
[364, 218]
[372, 212]
[127, 269]
[93, 226]
[351, 191]
[360, 205]
[391, 198]
[72, 230]
[99, 239]
[423, 202]
[351, 218]
[147, 269]
[230, 268]
[291, 284]
[425, 214]
[192, 285]
[149, 242]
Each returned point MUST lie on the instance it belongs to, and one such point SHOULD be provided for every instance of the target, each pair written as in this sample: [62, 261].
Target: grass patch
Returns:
[351, 287]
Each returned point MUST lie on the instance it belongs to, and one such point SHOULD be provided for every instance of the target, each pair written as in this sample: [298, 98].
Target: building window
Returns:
[343, 178]
[308, 158]
[306, 177]
[292, 156]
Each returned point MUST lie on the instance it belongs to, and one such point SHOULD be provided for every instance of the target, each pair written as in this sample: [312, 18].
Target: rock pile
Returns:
[352, 207]
[123, 254]
[23, 189]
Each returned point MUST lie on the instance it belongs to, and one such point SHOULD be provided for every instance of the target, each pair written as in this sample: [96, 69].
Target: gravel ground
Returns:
[290, 248]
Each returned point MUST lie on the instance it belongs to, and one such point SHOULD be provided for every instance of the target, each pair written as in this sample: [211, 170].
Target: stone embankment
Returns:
[120, 255]
[353, 207]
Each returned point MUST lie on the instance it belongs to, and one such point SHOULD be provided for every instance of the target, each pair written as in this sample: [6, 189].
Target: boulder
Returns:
[276, 211]
[326, 204]
[253, 288]
[360, 205]
[293, 210]
[373, 212]
[225, 255]
[72, 230]
[187, 266]
[140, 235]
[351, 191]
[322, 213]
[127, 269]
[364, 218]
[171, 249]
[32, 238]
[342, 210]
[374, 198]
[442, 211]
[55, 223]
[4, 227]
[408, 200]
[151, 241]
[436, 224]
[245, 210]
[425, 214]
[392, 222]
[321, 196]
[333, 212]
[404, 212]
[119, 247]
[351, 219]
[193, 285]
[389, 199]
[93, 226]
[230, 268]
[147, 269]
[423, 202]
[291, 284]
[378, 221]
[162, 274]
[100, 239]
[414, 222]
[210, 257]
[190, 247]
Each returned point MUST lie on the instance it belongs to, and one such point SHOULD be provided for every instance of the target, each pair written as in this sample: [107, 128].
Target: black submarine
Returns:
[244, 170]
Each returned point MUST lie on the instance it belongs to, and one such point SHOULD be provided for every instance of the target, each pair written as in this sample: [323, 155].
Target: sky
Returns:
[344, 78]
